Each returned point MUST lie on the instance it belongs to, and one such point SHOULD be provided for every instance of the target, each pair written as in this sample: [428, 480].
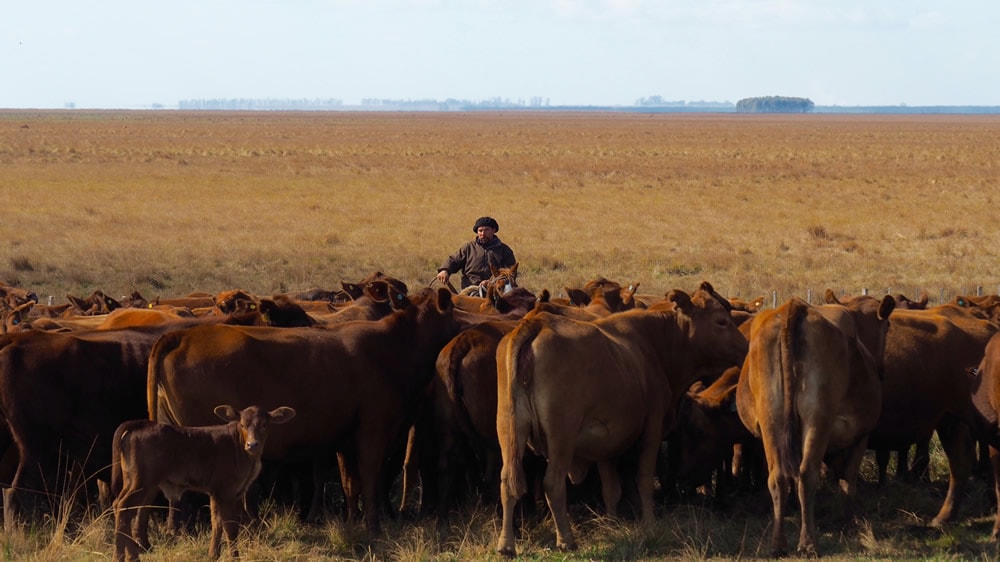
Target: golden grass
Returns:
[171, 202]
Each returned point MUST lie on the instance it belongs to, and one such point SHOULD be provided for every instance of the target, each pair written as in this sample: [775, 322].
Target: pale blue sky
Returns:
[131, 54]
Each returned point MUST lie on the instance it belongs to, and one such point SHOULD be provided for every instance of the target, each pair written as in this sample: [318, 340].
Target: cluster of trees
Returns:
[774, 104]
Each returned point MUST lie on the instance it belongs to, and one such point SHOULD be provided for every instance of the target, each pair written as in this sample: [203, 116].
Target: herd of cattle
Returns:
[481, 397]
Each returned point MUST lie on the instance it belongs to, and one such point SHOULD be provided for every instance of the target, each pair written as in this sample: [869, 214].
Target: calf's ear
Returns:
[227, 412]
[282, 414]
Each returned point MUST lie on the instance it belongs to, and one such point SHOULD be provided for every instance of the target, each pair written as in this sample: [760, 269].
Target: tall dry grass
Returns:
[171, 202]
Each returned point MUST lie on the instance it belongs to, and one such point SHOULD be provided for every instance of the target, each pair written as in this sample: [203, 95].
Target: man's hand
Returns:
[443, 275]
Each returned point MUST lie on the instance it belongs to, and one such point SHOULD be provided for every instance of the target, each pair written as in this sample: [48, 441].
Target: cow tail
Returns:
[514, 373]
[117, 478]
[154, 373]
[790, 339]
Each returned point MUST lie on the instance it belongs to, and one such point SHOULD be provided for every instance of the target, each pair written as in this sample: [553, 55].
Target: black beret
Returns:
[485, 221]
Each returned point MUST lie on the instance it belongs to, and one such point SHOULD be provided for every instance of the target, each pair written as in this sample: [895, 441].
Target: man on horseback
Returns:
[478, 257]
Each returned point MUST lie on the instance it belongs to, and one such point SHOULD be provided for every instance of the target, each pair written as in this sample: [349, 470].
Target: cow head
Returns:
[710, 326]
[16, 319]
[871, 320]
[236, 300]
[254, 423]
[13, 297]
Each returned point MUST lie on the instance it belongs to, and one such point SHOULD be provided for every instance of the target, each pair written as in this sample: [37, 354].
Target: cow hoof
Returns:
[807, 552]
[570, 547]
[507, 552]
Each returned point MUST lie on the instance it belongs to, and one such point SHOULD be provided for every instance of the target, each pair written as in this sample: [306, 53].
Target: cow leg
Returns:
[995, 461]
[555, 494]
[645, 472]
[882, 460]
[351, 485]
[813, 447]
[226, 515]
[411, 470]
[611, 486]
[960, 450]
[779, 490]
[127, 508]
[921, 460]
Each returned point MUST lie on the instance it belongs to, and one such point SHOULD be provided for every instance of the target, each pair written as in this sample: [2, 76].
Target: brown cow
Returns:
[356, 290]
[355, 385]
[581, 393]
[809, 389]
[15, 318]
[62, 396]
[602, 296]
[986, 401]
[926, 389]
[922, 455]
[97, 303]
[93, 380]
[221, 461]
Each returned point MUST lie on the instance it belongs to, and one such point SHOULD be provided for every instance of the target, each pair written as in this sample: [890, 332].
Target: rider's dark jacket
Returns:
[473, 260]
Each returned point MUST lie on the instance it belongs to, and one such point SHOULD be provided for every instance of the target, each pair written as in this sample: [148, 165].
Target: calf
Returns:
[221, 461]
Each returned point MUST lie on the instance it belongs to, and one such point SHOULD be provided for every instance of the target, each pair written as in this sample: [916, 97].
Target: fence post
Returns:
[774, 299]
[809, 296]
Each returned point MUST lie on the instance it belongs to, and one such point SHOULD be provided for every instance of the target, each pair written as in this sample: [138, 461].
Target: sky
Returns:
[133, 54]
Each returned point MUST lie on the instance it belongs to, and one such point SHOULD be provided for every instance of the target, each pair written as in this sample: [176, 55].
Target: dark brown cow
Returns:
[810, 389]
[926, 389]
[582, 393]
[221, 461]
[62, 396]
[354, 385]
[97, 303]
[356, 290]
[986, 400]
[706, 438]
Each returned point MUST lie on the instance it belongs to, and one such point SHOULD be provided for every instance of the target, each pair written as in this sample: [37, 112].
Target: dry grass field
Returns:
[167, 203]
[170, 202]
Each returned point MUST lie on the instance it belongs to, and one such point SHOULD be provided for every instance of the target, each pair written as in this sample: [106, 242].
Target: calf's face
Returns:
[254, 423]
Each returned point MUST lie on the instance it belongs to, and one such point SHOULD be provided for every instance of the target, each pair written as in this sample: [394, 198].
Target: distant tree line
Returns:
[267, 104]
[452, 104]
[658, 101]
[774, 104]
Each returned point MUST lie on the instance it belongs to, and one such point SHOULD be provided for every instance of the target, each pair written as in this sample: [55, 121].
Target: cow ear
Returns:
[377, 291]
[578, 297]
[830, 297]
[886, 306]
[282, 414]
[546, 296]
[493, 271]
[444, 302]
[227, 413]
[681, 300]
[352, 289]
[513, 269]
